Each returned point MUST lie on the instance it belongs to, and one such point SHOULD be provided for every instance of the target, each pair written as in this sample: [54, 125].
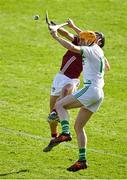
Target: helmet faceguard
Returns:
[100, 38]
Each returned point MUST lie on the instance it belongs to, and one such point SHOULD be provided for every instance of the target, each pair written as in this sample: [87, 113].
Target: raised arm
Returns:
[73, 26]
[64, 32]
[68, 45]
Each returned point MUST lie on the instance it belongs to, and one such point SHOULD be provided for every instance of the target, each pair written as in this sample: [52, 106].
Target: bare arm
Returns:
[107, 65]
[66, 34]
[63, 32]
[73, 26]
[68, 45]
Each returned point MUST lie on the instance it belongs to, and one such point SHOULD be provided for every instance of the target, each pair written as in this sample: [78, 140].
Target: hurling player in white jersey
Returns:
[88, 99]
[67, 80]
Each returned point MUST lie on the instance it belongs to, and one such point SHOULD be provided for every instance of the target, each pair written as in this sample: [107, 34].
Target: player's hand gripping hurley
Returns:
[50, 24]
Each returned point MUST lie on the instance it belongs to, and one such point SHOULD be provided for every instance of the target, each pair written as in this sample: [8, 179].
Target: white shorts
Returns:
[91, 97]
[60, 81]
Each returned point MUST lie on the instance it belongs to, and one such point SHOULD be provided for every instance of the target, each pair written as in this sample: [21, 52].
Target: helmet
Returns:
[100, 36]
[88, 36]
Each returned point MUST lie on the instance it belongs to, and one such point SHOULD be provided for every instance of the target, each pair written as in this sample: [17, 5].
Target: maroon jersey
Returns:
[72, 63]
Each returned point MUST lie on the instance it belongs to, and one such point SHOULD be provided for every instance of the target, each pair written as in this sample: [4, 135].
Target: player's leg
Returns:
[53, 102]
[53, 113]
[82, 118]
[61, 106]
[71, 101]
[87, 96]
[54, 95]
[62, 86]
[65, 103]
[67, 89]
[53, 124]
[69, 86]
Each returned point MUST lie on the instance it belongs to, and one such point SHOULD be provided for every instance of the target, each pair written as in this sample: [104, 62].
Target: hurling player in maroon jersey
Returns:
[65, 82]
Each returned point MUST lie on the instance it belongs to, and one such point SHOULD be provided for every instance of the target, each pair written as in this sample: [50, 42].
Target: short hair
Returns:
[88, 35]
[100, 36]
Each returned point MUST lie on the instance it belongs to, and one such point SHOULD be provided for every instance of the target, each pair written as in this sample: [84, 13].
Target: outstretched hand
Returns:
[52, 23]
[70, 23]
[53, 31]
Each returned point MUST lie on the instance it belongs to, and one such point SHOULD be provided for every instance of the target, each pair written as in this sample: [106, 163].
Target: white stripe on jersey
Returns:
[69, 62]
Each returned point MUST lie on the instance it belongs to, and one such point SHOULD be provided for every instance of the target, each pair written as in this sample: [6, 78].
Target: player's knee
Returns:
[67, 90]
[58, 105]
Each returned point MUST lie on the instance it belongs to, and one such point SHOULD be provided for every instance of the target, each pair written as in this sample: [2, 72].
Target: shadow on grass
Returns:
[15, 172]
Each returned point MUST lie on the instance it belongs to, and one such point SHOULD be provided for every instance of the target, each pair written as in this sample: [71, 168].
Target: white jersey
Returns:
[93, 65]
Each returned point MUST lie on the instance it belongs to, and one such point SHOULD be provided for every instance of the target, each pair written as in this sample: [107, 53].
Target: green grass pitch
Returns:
[29, 59]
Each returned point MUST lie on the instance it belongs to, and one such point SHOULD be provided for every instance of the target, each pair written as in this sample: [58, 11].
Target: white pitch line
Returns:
[13, 132]
[10, 131]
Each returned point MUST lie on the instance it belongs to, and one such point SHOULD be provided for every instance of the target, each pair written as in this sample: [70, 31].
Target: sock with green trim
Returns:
[65, 127]
[82, 154]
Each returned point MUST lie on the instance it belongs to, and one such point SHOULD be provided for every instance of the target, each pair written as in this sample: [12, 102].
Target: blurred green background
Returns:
[29, 60]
